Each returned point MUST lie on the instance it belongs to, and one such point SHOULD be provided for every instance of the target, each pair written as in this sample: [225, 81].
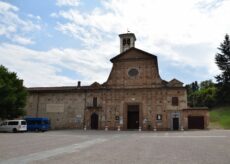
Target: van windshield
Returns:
[3, 123]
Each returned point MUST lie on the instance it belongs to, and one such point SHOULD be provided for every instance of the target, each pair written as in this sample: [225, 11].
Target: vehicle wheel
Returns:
[14, 130]
[37, 130]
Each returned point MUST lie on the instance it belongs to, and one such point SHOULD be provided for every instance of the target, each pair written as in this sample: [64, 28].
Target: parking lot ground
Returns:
[112, 147]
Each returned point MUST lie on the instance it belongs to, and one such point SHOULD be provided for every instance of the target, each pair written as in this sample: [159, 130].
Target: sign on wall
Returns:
[55, 108]
[78, 118]
[121, 120]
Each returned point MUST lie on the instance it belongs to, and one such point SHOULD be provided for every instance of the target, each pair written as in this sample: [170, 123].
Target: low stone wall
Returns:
[198, 111]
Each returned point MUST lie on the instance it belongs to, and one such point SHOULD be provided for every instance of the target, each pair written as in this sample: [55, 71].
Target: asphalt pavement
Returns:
[113, 147]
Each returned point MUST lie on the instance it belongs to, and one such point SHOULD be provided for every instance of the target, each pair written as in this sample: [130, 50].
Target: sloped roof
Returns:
[95, 85]
[132, 49]
[44, 89]
[65, 88]
[175, 83]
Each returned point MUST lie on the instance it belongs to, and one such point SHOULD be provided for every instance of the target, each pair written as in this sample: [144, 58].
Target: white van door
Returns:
[12, 125]
[7, 127]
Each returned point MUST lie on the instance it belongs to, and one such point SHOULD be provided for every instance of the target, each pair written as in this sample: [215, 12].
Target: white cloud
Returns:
[42, 68]
[209, 5]
[11, 25]
[68, 2]
[34, 17]
[54, 15]
[179, 23]
[22, 40]
[185, 33]
[6, 7]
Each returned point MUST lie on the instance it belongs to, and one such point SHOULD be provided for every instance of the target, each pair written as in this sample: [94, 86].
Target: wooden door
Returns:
[133, 117]
[94, 121]
[175, 123]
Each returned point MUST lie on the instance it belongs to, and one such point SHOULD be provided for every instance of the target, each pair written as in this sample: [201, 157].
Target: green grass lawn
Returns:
[220, 117]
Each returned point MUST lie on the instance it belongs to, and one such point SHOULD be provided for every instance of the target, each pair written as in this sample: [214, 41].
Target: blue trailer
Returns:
[37, 123]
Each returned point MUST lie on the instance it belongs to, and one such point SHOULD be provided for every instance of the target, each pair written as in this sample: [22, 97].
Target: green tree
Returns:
[12, 95]
[206, 84]
[191, 89]
[223, 62]
[195, 86]
[204, 94]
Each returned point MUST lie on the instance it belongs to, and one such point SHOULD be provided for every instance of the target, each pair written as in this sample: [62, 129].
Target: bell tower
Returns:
[127, 41]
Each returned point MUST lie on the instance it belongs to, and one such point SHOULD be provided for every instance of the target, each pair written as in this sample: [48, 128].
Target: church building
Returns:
[133, 97]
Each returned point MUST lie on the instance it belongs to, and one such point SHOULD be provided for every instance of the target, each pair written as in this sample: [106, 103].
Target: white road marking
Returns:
[66, 135]
[54, 152]
[165, 136]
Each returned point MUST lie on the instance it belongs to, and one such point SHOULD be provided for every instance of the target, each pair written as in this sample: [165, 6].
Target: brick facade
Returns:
[133, 96]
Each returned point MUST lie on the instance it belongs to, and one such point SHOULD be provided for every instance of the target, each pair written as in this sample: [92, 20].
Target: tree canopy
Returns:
[12, 95]
[203, 94]
[222, 60]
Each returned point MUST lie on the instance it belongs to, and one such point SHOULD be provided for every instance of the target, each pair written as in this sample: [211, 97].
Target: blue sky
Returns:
[57, 43]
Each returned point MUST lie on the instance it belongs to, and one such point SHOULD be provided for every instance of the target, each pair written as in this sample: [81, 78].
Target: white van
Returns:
[13, 126]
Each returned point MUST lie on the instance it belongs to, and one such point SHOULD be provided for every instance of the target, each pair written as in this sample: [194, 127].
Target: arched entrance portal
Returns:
[94, 121]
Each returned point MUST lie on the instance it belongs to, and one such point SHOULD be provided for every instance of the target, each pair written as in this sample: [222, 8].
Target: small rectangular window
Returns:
[175, 101]
[95, 102]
